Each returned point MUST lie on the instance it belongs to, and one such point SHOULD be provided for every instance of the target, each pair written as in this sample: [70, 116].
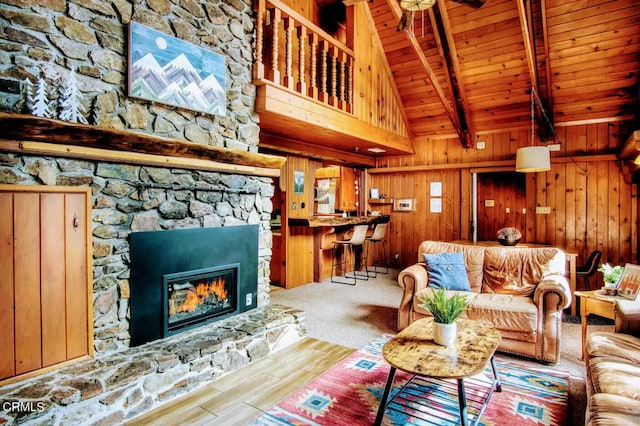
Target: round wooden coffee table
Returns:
[414, 351]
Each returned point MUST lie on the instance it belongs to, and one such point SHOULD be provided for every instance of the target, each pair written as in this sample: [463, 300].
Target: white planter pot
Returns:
[444, 334]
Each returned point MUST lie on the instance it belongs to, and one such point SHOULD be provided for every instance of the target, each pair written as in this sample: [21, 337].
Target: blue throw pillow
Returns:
[447, 270]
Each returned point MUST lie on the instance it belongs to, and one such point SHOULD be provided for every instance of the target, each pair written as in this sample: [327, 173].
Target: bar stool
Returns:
[356, 240]
[378, 237]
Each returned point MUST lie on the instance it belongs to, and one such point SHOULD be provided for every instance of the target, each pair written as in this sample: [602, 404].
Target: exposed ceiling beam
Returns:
[532, 64]
[449, 54]
[547, 62]
[431, 75]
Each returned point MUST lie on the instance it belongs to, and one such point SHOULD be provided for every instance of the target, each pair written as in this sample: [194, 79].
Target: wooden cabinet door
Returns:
[45, 277]
[347, 190]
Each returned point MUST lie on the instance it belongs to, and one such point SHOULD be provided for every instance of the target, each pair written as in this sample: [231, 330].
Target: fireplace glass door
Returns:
[195, 297]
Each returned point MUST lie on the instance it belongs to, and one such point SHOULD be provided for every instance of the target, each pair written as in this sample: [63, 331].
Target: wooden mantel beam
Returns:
[25, 129]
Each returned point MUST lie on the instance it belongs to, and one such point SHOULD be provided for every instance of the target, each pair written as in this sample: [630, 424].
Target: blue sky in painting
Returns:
[143, 41]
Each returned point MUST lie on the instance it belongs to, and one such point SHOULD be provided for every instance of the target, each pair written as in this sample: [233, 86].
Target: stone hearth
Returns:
[122, 385]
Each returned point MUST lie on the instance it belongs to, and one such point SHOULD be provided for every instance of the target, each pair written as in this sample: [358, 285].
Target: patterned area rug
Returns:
[350, 392]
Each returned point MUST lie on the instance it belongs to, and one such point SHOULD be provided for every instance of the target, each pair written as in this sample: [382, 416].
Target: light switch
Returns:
[507, 210]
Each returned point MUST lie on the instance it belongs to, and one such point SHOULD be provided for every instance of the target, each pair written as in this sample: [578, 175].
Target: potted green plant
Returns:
[611, 275]
[445, 311]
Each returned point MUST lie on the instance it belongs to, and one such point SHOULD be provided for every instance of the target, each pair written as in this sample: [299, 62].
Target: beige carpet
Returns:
[354, 315]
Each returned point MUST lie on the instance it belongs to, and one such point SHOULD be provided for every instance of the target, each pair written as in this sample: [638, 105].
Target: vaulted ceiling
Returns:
[467, 70]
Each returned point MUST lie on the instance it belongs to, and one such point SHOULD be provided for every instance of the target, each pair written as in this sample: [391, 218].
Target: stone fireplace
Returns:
[152, 168]
[194, 227]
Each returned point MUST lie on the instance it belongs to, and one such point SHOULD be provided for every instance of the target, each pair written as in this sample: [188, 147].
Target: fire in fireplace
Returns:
[193, 297]
[185, 278]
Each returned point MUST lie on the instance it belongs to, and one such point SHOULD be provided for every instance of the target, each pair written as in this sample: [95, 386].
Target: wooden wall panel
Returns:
[299, 240]
[46, 314]
[27, 278]
[376, 99]
[53, 279]
[592, 210]
[78, 309]
[7, 360]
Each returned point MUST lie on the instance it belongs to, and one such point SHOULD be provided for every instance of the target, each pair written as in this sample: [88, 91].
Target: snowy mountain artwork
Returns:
[168, 70]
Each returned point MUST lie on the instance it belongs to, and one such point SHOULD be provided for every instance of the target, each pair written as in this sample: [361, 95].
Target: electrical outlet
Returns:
[248, 299]
[507, 210]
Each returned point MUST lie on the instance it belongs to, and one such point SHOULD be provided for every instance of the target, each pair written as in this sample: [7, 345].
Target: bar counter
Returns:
[324, 230]
[320, 221]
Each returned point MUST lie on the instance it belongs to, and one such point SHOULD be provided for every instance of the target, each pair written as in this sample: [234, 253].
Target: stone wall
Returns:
[52, 37]
[49, 38]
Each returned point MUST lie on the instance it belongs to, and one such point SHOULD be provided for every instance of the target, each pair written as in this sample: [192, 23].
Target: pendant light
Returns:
[532, 158]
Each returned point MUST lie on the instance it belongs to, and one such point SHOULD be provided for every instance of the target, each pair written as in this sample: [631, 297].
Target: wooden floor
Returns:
[241, 396]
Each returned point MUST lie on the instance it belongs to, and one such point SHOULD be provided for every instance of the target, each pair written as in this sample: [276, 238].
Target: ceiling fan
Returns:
[410, 7]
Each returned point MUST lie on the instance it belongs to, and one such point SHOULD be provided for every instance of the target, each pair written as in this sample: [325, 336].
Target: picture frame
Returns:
[298, 182]
[629, 283]
[403, 204]
[375, 194]
[170, 71]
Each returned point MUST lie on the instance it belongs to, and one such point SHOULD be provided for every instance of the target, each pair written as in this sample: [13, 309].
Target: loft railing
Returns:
[293, 53]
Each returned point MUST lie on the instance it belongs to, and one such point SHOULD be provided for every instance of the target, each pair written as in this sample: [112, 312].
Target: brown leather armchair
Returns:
[613, 369]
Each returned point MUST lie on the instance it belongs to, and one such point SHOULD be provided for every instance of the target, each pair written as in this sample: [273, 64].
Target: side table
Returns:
[443, 367]
[597, 303]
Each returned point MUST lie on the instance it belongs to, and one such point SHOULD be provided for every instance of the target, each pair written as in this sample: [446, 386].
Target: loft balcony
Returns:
[307, 97]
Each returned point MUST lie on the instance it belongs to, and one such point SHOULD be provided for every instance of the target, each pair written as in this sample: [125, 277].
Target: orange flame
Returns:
[202, 292]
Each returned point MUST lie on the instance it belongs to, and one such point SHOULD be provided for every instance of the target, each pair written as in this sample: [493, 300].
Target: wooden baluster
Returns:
[289, 26]
[350, 84]
[313, 83]
[302, 46]
[333, 98]
[324, 50]
[274, 75]
[342, 69]
[258, 67]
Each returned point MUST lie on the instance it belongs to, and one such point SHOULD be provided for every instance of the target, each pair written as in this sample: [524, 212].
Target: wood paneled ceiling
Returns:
[468, 71]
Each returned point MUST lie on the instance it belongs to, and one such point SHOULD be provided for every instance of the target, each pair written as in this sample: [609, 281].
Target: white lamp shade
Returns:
[533, 159]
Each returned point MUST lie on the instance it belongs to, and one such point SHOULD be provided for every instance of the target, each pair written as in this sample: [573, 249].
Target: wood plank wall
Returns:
[589, 211]
[299, 259]
[376, 100]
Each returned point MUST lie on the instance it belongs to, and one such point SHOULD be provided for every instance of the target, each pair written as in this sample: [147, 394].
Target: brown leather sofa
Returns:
[613, 370]
[521, 291]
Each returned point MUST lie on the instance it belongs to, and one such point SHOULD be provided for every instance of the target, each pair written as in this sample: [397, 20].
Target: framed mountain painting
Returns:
[171, 71]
